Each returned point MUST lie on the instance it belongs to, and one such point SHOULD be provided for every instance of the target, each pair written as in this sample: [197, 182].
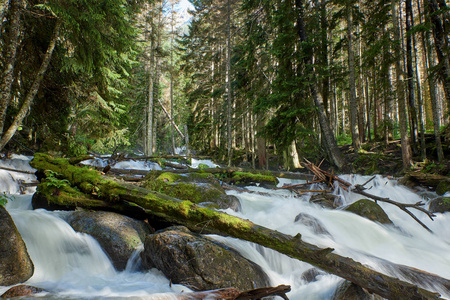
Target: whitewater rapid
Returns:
[72, 265]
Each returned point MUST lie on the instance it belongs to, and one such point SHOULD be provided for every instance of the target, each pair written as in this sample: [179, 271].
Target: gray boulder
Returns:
[309, 221]
[15, 263]
[200, 263]
[440, 205]
[350, 291]
[118, 235]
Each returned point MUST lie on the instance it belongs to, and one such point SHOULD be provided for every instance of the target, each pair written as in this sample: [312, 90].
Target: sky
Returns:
[183, 6]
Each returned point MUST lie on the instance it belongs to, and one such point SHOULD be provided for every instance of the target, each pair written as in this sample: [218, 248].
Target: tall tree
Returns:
[328, 137]
[406, 148]
[352, 80]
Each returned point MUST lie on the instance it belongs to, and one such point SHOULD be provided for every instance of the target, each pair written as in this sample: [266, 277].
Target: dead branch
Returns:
[329, 179]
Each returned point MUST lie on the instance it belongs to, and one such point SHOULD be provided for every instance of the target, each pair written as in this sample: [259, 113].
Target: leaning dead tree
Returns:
[330, 179]
[88, 189]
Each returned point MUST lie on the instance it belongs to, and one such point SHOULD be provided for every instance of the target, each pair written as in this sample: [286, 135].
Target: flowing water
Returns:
[73, 266]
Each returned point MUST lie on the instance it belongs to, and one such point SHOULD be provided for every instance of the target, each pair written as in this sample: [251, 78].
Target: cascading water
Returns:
[73, 266]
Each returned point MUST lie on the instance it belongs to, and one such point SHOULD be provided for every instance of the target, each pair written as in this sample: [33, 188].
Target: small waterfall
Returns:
[73, 266]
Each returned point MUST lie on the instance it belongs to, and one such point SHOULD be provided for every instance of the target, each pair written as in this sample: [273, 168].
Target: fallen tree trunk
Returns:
[116, 195]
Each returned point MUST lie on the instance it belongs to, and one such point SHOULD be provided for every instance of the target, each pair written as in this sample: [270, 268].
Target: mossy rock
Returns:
[443, 187]
[369, 210]
[440, 205]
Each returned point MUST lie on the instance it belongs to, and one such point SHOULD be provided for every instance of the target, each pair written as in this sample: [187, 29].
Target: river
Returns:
[72, 265]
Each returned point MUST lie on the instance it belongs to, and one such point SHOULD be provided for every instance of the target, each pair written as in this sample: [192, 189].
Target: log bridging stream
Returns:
[103, 193]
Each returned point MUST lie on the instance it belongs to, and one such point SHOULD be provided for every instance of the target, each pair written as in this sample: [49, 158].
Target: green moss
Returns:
[443, 187]
[370, 210]
[169, 177]
[246, 177]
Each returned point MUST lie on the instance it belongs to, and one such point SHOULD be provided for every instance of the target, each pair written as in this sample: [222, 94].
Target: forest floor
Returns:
[379, 158]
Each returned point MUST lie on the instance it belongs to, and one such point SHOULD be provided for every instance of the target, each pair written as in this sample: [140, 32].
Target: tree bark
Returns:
[441, 44]
[406, 148]
[352, 80]
[33, 89]
[228, 84]
[410, 74]
[4, 5]
[121, 197]
[7, 77]
[328, 136]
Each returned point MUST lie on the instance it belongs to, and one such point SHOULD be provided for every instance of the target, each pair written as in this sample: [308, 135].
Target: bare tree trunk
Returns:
[150, 99]
[33, 89]
[261, 144]
[228, 84]
[410, 74]
[7, 77]
[406, 148]
[352, 80]
[328, 137]
[441, 43]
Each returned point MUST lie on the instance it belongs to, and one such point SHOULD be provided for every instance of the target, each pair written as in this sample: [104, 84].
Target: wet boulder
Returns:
[347, 290]
[326, 200]
[200, 188]
[200, 263]
[443, 187]
[440, 205]
[310, 275]
[118, 235]
[21, 291]
[309, 221]
[369, 210]
[15, 263]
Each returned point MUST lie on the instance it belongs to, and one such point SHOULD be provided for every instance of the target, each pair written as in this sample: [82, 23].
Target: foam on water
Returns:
[73, 266]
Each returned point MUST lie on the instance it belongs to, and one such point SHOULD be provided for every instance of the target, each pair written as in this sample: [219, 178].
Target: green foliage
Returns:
[344, 139]
[203, 166]
[52, 180]
[5, 198]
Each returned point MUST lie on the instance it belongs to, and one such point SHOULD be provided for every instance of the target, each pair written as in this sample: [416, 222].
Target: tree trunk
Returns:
[4, 6]
[406, 148]
[228, 84]
[13, 42]
[33, 89]
[410, 75]
[352, 80]
[328, 136]
[128, 197]
[441, 45]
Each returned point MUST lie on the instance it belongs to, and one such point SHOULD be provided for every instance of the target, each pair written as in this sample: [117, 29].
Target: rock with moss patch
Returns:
[118, 235]
[369, 210]
[443, 187]
[440, 205]
[200, 263]
[15, 263]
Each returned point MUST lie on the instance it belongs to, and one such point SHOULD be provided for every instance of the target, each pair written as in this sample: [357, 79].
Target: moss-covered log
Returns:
[203, 220]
